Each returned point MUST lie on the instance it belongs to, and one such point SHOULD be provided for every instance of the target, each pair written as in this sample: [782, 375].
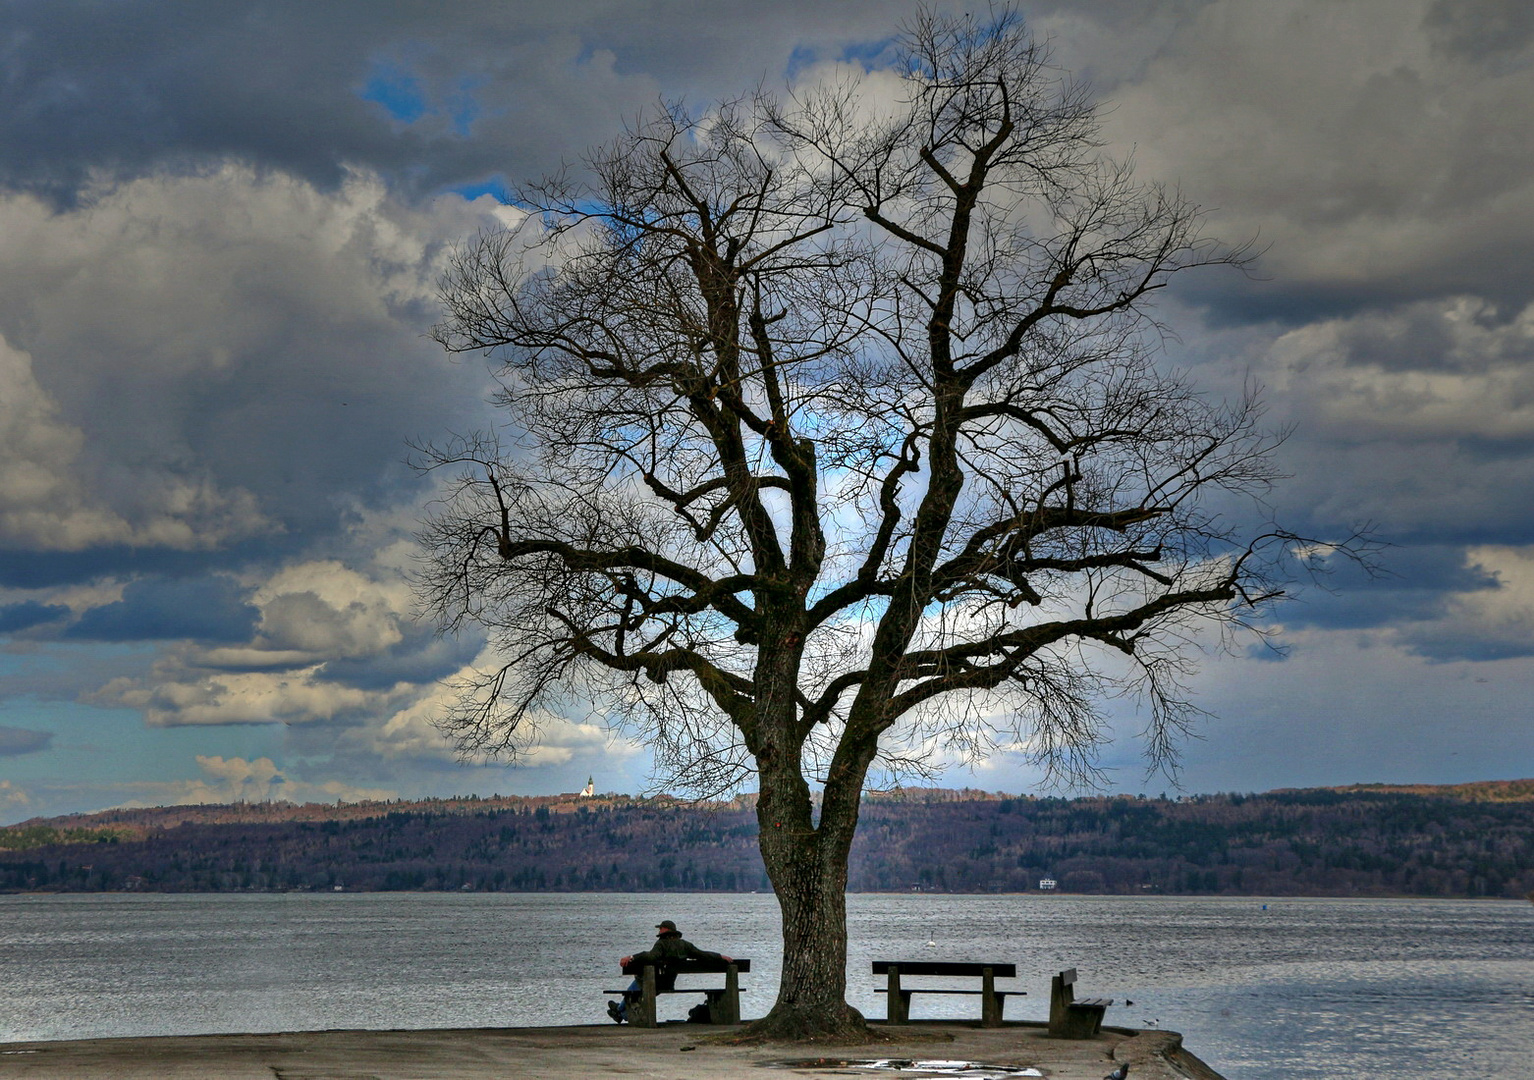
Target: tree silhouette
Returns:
[838, 443]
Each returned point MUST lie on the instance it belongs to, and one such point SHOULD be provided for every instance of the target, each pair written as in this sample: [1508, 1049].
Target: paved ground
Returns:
[670, 1052]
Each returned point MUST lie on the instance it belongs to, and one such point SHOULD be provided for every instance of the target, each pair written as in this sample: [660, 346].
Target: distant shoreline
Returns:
[705, 892]
[1463, 842]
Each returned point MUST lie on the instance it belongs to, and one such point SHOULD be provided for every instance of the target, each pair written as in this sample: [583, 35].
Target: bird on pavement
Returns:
[1120, 1073]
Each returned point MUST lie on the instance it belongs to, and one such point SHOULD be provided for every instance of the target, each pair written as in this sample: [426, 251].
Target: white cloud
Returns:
[328, 610]
[12, 798]
[175, 695]
[409, 732]
[311, 613]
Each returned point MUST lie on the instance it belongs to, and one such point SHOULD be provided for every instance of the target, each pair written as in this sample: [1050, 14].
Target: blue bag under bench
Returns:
[723, 1001]
[992, 1000]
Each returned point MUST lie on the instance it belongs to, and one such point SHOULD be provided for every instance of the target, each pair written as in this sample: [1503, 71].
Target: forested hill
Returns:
[1372, 840]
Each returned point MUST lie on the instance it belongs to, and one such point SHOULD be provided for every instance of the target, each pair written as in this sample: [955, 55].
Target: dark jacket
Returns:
[669, 949]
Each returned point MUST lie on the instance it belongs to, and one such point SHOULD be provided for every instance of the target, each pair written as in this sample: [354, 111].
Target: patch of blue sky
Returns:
[407, 100]
[93, 745]
[870, 54]
[594, 208]
[494, 186]
[397, 90]
[462, 107]
[802, 57]
[39, 661]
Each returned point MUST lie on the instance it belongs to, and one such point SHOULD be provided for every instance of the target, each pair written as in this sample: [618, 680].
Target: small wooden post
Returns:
[728, 1010]
[644, 1015]
[1060, 996]
[990, 1004]
[897, 1001]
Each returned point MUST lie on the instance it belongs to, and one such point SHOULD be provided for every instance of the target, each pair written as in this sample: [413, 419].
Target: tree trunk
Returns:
[808, 870]
[812, 896]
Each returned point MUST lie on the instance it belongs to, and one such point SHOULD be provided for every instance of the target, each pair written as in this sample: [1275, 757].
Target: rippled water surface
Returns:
[1302, 989]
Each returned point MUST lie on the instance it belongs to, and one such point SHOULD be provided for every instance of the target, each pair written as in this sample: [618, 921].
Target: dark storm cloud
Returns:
[15, 741]
[421, 657]
[29, 613]
[127, 88]
[208, 609]
[429, 94]
[1413, 584]
[1445, 646]
[44, 569]
[1480, 29]
[278, 359]
[1365, 146]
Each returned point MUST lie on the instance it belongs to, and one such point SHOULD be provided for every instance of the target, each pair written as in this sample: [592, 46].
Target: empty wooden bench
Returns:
[1071, 1017]
[992, 1000]
[723, 1001]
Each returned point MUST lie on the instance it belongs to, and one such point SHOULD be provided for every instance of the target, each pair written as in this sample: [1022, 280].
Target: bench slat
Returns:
[943, 967]
[689, 967]
[923, 990]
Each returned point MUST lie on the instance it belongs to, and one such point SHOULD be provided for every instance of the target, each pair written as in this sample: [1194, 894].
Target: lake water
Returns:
[1294, 990]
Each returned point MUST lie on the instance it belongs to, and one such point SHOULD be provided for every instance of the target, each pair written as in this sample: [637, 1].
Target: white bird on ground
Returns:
[1120, 1073]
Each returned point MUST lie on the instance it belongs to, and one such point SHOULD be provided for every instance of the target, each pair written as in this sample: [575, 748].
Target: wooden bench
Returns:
[1071, 1017]
[723, 1001]
[992, 1000]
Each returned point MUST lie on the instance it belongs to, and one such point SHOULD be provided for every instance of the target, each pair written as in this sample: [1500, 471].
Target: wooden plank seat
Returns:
[1071, 1017]
[723, 1001]
[992, 1000]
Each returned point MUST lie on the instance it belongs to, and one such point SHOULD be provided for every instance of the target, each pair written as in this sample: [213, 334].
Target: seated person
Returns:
[669, 946]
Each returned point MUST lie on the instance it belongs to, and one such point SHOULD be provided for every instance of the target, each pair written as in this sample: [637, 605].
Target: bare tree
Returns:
[837, 442]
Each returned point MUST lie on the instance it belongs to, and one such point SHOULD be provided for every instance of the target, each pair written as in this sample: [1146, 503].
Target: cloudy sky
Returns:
[221, 226]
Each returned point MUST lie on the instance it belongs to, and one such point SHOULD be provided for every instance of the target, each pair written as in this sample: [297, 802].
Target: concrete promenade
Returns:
[670, 1052]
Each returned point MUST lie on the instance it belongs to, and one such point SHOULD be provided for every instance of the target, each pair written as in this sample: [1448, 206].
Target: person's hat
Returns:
[666, 924]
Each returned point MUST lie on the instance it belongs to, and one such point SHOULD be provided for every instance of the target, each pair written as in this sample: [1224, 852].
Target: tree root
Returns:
[790, 1025]
[842, 1028]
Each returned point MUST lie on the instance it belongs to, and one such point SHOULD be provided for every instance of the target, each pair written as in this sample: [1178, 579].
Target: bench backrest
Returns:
[942, 967]
[685, 967]
[1067, 976]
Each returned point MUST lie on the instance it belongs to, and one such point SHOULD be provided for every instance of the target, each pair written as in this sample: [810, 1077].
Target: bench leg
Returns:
[990, 1004]
[724, 1005]
[641, 1013]
[726, 1010]
[898, 1007]
[1059, 997]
